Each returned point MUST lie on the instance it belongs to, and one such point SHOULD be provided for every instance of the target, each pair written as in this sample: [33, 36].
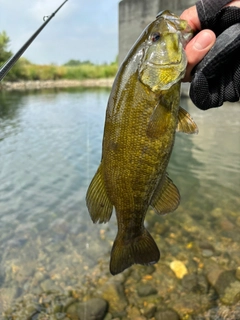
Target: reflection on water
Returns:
[50, 147]
[211, 157]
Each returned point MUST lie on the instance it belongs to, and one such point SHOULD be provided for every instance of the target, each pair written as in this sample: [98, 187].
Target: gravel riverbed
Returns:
[198, 276]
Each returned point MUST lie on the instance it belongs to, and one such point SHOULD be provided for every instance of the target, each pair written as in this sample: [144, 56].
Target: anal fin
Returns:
[166, 197]
[186, 123]
[98, 203]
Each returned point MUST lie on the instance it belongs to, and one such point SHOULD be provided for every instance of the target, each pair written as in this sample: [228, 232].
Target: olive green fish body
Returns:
[141, 120]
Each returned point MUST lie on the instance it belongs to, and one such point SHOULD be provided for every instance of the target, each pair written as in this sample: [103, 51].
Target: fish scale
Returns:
[142, 117]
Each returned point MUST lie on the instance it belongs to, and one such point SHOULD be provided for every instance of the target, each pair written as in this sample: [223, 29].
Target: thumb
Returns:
[197, 48]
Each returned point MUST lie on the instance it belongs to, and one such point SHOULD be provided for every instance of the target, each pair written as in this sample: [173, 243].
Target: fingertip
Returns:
[191, 16]
[204, 40]
[197, 48]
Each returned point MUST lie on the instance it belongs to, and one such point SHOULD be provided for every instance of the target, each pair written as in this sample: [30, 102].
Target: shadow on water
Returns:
[54, 261]
[9, 108]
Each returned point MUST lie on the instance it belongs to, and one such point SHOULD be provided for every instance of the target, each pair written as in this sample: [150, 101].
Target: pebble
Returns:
[238, 221]
[217, 213]
[191, 304]
[226, 285]
[179, 268]
[237, 274]
[133, 312]
[226, 225]
[231, 294]
[39, 276]
[167, 314]
[145, 290]
[207, 253]
[190, 282]
[93, 309]
[149, 310]
[108, 316]
[49, 285]
[113, 292]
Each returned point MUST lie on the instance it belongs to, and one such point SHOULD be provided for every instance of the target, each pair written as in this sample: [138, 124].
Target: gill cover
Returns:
[164, 61]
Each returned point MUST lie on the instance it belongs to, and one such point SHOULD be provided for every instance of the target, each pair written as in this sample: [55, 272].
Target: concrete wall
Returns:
[134, 15]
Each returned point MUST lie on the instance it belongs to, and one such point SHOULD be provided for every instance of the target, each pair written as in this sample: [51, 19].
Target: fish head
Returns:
[163, 62]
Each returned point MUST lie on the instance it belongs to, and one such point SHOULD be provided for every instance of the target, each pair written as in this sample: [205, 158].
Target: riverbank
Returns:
[39, 84]
[87, 83]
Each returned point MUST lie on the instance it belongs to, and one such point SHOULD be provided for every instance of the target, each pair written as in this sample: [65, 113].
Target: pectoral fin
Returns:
[185, 122]
[157, 126]
[98, 203]
[166, 197]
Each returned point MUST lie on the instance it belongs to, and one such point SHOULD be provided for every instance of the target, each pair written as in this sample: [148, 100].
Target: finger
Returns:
[197, 48]
[191, 16]
[235, 3]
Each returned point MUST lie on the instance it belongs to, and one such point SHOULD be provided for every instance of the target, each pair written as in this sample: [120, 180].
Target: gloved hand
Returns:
[217, 77]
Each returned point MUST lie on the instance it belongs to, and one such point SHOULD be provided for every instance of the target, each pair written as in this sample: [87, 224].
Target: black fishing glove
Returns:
[217, 77]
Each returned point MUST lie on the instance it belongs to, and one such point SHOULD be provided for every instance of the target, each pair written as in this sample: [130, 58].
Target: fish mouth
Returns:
[162, 58]
[162, 64]
[179, 64]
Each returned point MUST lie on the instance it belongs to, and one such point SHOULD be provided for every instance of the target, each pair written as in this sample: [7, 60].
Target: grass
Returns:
[24, 70]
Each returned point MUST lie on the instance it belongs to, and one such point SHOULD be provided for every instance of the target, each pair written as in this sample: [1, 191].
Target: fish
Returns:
[142, 116]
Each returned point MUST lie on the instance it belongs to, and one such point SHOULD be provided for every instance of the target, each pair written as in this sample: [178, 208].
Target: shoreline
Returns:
[44, 84]
[51, 84]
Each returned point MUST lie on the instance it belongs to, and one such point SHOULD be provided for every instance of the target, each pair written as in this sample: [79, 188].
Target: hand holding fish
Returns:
[199, 46]
[213, 63]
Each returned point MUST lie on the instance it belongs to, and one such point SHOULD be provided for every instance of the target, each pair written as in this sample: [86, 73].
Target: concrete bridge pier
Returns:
[134, 16]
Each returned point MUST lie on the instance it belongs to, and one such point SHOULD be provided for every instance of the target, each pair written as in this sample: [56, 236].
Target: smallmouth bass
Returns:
[142, 117]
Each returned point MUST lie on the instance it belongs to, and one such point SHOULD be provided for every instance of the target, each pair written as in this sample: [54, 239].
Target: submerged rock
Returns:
[149, 310]
[191, 304]
[146, 289]
[93, 309]
[226, 285]
[113, 292]
[207, 253]
[167, 314]
[237, 274]
[232, 293]
[195, 283]
[49, 285]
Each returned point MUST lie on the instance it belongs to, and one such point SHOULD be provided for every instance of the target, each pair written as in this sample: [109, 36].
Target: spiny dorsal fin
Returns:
[166, 197]
[99, 206]
[186, 123]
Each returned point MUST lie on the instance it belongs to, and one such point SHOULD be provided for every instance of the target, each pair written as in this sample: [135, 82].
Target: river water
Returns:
[50, 147]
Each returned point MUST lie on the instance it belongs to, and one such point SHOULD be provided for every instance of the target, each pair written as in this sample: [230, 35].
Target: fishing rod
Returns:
[10, 63]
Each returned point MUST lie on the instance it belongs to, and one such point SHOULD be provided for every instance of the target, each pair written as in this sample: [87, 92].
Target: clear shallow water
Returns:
[50, 147]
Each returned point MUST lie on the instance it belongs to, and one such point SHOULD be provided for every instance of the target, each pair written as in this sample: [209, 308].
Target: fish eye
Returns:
[155, 36]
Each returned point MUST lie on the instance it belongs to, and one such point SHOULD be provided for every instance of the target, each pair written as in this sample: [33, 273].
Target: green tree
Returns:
[17, 71]
[73, 63]
[4, 43]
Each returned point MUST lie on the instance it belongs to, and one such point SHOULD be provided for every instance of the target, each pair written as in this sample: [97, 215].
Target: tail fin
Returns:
[141, 250]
